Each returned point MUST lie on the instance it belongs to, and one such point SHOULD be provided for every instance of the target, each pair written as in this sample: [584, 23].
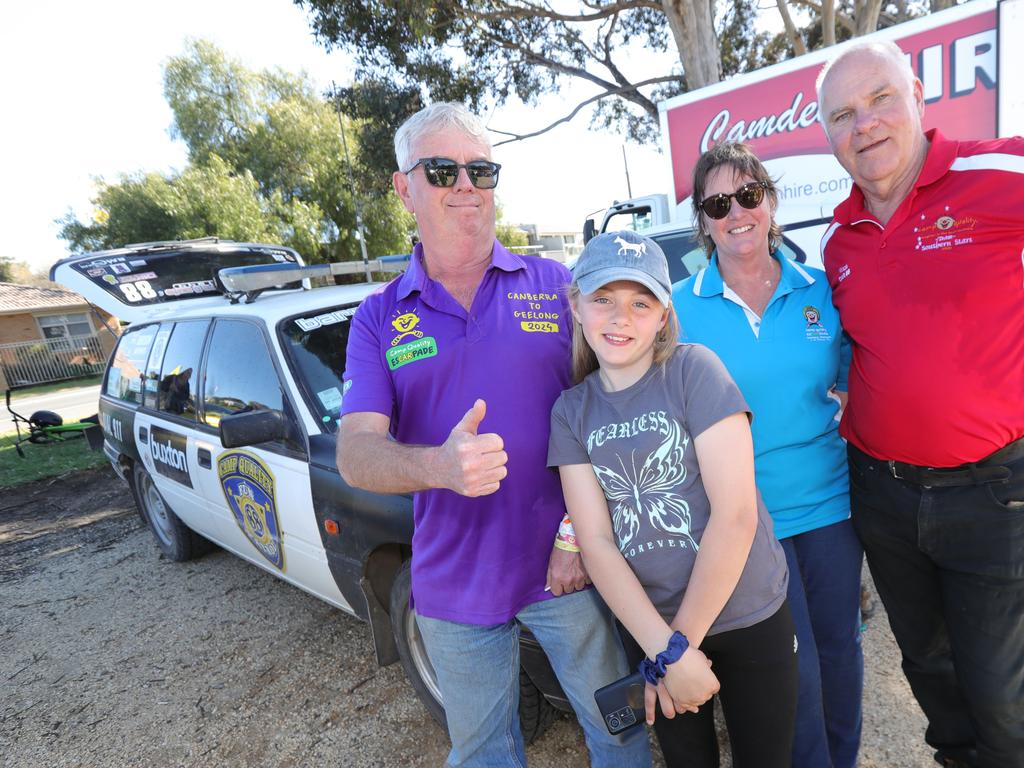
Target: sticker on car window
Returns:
[331, 399]
[327, 318]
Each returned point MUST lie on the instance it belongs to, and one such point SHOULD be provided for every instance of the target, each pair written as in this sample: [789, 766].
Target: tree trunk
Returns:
[941, 5]
[791, 31]
[866, 16]
[828, 23]
[693, 28]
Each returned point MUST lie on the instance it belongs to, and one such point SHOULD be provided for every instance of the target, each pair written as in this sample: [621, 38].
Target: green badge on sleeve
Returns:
[411, 352]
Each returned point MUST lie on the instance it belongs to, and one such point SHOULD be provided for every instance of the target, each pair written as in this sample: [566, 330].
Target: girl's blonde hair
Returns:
[584, 361]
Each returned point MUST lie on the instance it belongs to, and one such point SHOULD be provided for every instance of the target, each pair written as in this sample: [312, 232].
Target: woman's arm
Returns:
[725, 455]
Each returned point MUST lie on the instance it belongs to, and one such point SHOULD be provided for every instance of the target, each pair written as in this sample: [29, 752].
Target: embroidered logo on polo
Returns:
[249, 490]
[405, 324]
[815, 331]
[536, 312]
[404, 354]
[946, 232]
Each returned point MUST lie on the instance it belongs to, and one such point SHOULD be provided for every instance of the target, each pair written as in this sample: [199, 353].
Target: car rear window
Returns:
[125, 374]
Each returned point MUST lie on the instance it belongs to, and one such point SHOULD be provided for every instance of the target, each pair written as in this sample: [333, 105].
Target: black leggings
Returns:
[757, 669]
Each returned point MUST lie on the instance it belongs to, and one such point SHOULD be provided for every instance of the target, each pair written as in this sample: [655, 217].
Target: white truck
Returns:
[968, 58]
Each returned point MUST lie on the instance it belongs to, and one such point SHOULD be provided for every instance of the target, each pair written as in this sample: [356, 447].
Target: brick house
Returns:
[50, 333]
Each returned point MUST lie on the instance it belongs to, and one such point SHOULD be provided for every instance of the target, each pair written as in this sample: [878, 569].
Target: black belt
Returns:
[990, 469]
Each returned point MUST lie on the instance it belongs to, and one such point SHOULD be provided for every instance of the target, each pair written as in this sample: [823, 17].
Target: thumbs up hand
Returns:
[473, 465]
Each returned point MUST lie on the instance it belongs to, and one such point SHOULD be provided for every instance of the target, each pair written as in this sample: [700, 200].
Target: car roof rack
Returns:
[250, 282]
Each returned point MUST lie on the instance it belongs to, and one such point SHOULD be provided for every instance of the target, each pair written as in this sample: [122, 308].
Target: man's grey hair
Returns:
[885, 48]
[437, 117]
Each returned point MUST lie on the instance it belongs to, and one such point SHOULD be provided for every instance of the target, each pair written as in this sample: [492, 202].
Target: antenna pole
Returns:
[352, 184]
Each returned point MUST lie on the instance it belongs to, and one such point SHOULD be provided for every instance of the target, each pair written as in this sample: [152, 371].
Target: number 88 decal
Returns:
[137, 291]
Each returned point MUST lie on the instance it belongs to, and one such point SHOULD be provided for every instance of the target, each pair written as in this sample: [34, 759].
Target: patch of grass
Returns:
[43, 461]
[55, 386]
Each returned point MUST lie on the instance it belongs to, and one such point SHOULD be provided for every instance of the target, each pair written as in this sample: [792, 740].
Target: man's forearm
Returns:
[376, 463]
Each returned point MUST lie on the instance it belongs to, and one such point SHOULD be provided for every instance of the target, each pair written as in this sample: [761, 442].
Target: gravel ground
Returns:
[115, 657]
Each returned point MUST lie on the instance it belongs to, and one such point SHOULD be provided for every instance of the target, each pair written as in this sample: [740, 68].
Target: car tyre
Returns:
[176, 541]
[535, 712]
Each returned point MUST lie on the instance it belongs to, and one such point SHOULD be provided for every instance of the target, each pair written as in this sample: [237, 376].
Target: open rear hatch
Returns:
[128, 282]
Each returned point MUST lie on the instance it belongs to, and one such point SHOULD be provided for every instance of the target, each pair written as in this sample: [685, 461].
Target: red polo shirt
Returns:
[934, 304]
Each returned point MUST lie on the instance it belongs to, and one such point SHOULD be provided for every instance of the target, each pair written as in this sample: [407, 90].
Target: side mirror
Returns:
[589, 230]
[253, 427]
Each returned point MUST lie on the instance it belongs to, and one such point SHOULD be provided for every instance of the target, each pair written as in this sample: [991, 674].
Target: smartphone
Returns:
[622, 703]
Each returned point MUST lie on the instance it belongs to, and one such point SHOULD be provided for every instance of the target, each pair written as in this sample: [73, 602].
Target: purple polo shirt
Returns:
[415, 355]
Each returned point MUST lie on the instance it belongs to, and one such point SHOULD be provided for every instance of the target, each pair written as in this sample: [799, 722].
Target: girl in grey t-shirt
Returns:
[654, 451]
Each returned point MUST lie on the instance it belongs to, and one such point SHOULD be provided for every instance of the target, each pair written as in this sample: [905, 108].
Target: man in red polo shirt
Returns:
[926, 263]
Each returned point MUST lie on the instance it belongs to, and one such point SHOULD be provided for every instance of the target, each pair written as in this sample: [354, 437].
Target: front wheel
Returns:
[175, 539]
[535, 712]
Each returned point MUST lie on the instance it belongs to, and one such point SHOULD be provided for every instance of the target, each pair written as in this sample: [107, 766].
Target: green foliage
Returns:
[479, 52]
[510, 235]
[6, 269]
[266, 164]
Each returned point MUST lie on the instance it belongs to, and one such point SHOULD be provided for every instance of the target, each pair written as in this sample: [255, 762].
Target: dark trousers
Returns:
[757, 669]
[948, 564]
[824, 596]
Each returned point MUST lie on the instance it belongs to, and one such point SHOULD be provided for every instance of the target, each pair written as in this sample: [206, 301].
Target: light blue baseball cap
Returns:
[623, 255]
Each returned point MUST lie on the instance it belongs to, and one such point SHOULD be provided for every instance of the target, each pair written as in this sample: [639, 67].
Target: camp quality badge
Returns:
[404, 354]
[249, 490]
[812, 315]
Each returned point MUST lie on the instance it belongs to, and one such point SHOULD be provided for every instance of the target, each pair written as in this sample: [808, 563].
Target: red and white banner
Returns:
[776, 112]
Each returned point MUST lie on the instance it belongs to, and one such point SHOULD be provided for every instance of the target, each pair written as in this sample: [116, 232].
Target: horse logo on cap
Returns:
[635, 249]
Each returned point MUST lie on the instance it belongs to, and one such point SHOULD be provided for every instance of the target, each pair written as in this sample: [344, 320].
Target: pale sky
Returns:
[82, 95]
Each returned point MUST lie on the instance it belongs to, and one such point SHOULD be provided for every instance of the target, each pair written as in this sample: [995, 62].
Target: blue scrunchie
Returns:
[655, 670]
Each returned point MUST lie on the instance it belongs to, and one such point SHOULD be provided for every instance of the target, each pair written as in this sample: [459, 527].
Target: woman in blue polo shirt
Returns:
[771, 321]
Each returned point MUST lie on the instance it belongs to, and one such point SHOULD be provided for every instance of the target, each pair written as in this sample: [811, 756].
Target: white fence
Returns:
[35, 362]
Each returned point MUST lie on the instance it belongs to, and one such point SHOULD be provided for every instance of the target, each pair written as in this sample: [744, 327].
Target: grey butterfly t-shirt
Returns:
[639, 442]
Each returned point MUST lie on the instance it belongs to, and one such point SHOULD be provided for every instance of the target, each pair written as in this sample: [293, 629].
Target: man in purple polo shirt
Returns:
[452, 370]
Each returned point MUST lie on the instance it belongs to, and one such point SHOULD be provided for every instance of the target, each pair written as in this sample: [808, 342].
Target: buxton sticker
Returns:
[404, 354]
[167, 449]
[249, 490]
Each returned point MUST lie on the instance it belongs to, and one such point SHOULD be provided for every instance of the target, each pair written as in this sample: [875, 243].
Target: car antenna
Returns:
[352, 184]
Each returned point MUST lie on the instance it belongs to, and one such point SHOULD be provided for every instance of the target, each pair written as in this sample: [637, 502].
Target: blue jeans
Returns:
[478, 672]
[824, 595]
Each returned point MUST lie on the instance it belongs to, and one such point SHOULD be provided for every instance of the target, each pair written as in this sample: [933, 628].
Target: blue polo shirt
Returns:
[784, 363]
[415, 355]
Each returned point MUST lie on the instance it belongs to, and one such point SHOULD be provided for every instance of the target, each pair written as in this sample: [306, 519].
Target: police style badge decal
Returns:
[249, 490]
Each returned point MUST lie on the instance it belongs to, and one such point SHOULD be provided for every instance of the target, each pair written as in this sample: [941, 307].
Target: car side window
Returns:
[124, 376]
[240, 374]
[156, 358]
[176, 390]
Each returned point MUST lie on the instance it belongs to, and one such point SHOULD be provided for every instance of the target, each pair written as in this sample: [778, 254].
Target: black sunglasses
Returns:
[442, 172]
[749, 196]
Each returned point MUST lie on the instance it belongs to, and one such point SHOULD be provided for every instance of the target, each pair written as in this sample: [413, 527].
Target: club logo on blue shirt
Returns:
[814, 330]
[248, 488]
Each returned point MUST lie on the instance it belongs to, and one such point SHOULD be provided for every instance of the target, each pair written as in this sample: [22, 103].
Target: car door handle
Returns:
[204, 458]
[143, 435]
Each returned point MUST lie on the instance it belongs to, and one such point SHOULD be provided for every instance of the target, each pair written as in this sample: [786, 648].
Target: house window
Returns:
[62, 326]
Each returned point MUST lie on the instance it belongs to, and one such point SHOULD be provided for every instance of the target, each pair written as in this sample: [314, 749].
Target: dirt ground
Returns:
[112, 656]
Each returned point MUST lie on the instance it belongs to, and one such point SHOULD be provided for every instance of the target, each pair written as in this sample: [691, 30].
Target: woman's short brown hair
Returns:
[744, 162]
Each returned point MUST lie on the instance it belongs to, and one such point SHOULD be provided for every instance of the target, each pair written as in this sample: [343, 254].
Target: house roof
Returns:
[16, 298]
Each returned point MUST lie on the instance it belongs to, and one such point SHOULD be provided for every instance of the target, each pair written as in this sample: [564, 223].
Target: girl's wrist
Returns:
[655, 669]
